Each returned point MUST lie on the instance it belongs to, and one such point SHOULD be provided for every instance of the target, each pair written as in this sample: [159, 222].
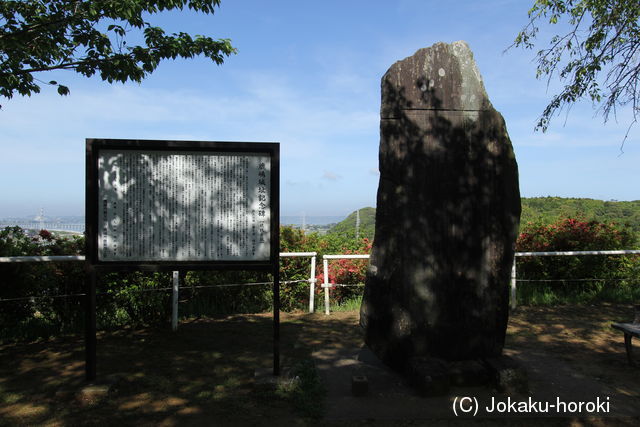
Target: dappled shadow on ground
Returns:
[581, 336]
[205, 371]
[567, 352]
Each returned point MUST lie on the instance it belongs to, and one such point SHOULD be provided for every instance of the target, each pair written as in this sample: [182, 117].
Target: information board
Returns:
[180, 205]
[183, 202]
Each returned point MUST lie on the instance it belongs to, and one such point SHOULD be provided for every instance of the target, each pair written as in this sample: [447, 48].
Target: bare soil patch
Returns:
[204, 373]
[583, 337]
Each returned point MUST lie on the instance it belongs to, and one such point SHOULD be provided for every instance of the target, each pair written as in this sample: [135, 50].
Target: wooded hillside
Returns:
[549, 209]
[536, 209]
[347, 227]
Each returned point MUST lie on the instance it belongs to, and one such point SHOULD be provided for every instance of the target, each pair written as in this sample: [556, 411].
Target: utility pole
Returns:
[304, 221]
[358, 224]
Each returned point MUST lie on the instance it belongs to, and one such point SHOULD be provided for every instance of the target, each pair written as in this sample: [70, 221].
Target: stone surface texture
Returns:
[508, 375]
[448, 209]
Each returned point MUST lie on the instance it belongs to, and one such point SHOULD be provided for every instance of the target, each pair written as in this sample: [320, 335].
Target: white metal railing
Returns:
[76, 228]
[176, 275]
[326, 285]
[312, 273]
[325, 261]
[576, 253]
[513, 298]
[325, 269]
[56, 258]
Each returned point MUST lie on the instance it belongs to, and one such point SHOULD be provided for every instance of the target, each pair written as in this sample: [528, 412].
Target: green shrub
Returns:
[134, 298]
[32, 290]
[212, 293]
[578, 279]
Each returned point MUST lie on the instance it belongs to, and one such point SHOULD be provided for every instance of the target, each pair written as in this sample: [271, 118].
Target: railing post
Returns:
[325, 265]
[174, 301]
[312, 283]
[513, 284]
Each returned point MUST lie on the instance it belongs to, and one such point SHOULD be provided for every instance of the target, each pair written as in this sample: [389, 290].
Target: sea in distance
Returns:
[310, 219]
[78, 221]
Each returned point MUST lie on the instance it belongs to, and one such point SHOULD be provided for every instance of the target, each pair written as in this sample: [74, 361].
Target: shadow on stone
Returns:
[429, 376]
[468, 373]
[448, 209]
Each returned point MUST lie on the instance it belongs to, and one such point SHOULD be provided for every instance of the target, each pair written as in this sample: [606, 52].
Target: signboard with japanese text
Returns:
[181, 202]
[180, 205]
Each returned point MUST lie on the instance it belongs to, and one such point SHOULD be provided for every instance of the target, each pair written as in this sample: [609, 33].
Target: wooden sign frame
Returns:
[101, 261]
[96, 146]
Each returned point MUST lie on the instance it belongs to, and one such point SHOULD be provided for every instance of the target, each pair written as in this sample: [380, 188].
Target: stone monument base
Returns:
[434, 377]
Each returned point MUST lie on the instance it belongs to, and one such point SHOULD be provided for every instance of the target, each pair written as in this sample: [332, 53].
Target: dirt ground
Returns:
[581, 336]
[204, 373]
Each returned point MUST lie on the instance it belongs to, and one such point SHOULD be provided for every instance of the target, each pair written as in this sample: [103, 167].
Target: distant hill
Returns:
[347, 226]
[548, 209]
[544, 209]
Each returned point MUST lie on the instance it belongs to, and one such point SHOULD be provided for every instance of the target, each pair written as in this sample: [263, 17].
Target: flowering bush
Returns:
[568, 234]
[295, 296]
[562, 277]
[349, 272]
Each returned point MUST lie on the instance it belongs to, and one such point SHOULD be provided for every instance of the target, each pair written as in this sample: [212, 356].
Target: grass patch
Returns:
[304, 390]
[347, 304]
[351, 304]
[563, 293]
[8, 397]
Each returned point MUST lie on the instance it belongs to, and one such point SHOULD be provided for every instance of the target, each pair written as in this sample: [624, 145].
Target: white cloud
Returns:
[316, 130]
[266, 108]
[331, 176]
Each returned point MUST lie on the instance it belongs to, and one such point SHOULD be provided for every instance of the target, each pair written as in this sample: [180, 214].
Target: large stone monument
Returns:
[447, 215]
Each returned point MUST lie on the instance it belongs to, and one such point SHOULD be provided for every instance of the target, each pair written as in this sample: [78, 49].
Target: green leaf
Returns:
[597, 50]
[76, 43]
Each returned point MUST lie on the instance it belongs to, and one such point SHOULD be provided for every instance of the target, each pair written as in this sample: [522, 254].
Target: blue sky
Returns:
[307, 75]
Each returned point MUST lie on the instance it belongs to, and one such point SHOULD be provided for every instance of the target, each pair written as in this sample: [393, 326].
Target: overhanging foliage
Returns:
[597, 58]
[90, 37]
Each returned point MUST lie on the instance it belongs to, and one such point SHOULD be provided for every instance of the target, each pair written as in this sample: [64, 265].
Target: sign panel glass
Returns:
[183, 206]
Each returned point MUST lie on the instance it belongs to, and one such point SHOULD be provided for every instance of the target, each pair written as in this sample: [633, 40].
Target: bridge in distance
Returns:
[49, 226]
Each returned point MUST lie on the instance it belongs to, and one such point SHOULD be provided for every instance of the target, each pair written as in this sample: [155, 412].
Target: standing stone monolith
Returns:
[447, 216]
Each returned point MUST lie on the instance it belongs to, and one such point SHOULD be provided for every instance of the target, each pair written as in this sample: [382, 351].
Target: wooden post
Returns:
[90, 340]
[174, 301]
[276, 319]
